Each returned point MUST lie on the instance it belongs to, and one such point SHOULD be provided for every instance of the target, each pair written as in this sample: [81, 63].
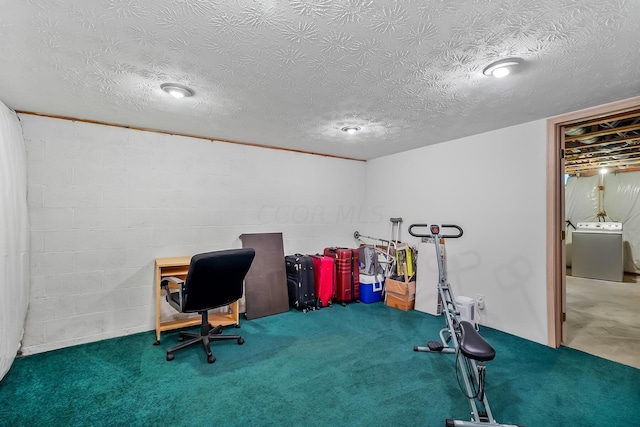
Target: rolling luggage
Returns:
[324, 273]
[300, 282]
[347, 273]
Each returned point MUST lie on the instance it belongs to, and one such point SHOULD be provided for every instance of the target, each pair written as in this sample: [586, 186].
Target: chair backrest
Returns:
[216, 278]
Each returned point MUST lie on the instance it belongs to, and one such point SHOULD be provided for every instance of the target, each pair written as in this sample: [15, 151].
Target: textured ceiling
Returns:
[292, 73]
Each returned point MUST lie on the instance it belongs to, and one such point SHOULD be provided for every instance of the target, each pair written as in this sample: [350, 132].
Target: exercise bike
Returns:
[461, 338]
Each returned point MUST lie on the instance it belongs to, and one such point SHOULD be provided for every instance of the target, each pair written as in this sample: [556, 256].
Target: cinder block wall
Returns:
[105, 202]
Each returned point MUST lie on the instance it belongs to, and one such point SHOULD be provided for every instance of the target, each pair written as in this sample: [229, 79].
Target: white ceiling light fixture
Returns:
[176, 90]
[501, 68]
[351, 129]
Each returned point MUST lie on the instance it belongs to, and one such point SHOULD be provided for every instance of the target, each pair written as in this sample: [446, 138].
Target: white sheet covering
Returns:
[581, 199]
[621, 202]
[14, 238]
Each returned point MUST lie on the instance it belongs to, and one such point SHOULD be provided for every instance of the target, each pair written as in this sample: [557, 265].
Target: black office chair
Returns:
[215, 279]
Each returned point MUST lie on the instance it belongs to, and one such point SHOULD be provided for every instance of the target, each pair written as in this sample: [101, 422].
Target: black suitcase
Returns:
[300, 282]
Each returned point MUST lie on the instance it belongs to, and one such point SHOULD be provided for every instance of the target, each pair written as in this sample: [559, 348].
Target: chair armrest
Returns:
[175, 298]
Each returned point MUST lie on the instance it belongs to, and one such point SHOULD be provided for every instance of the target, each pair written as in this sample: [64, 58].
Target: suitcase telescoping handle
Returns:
[435, 231]
[334, 249]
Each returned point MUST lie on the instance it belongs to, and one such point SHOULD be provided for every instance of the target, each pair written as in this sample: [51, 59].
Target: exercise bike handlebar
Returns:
[435, 231]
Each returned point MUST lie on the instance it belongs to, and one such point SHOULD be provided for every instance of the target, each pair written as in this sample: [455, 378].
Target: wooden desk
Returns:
[179, 267]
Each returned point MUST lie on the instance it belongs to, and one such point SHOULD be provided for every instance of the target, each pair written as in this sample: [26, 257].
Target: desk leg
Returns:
[157, 291]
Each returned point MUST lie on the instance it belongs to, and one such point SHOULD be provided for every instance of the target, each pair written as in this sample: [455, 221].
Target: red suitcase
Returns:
[347, 273]
[324, 272]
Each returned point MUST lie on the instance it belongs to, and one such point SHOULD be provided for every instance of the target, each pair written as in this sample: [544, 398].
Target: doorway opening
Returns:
[565, 152]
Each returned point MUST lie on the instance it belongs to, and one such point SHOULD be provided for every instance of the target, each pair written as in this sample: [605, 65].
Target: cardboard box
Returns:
[393, 301]
[401, 290]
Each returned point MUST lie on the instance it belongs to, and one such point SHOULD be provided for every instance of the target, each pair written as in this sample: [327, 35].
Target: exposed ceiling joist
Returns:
[611, 142]
[609, 131]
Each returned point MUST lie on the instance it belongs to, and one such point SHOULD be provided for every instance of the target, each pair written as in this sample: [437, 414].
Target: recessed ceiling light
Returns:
[501, 68]
[351, 129]
[176, 90]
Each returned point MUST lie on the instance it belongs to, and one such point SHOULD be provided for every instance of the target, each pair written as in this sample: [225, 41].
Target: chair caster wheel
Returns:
[170, 357]
[211, 358]
[240, 341]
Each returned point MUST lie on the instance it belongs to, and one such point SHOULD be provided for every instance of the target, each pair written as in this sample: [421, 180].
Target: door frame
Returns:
[556, 226]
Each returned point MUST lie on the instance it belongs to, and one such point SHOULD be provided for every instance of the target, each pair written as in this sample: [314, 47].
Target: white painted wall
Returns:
[494, 186]
[105, 202]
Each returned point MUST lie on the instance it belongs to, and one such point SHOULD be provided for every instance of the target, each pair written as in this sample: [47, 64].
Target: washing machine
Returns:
[597, 251]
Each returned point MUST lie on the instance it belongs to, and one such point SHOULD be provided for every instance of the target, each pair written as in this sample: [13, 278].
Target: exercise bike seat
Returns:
[472, 345]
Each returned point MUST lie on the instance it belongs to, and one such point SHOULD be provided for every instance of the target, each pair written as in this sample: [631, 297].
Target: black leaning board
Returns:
[266, 282]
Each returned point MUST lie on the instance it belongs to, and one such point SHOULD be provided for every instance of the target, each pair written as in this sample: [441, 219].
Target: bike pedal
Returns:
[435, 346]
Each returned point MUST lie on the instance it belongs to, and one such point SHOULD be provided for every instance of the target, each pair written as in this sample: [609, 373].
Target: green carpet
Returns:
[339, 366]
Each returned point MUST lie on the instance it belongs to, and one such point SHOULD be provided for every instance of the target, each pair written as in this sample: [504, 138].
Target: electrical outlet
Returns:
[480, 302]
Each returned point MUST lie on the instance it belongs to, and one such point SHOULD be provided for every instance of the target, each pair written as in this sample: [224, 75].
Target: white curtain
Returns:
[621, 202]
[14, 238]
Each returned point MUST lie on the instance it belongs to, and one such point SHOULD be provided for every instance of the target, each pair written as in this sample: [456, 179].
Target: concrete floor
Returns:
[603, 318]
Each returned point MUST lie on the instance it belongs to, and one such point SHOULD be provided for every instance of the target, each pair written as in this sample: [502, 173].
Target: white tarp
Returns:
[622, 203]
[620, 199]
[581, 204]
[581, 199]
[14, 238]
